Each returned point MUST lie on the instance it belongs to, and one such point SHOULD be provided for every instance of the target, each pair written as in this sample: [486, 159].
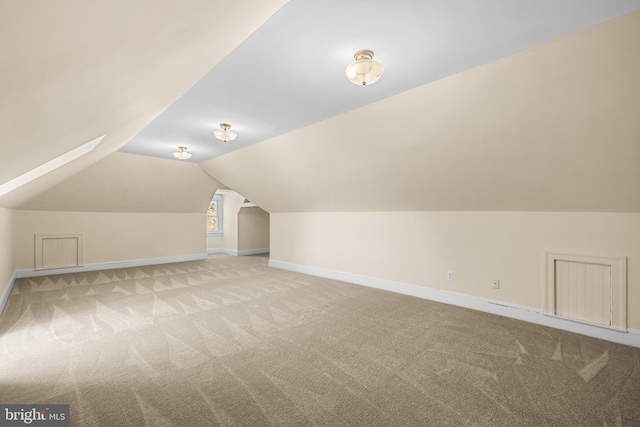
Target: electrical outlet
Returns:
[449, 275]
[159, 248]
[496, 284]
[301, 254]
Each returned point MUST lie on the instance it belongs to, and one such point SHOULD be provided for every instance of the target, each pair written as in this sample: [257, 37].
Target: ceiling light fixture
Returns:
[182, 153]
[225, 134]
[364, 71]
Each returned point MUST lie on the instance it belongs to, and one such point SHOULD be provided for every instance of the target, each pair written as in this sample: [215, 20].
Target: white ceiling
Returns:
[290, 72]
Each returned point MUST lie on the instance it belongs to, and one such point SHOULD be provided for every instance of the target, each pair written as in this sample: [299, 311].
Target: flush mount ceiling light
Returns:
[224, 134]
[364, 71]
[182, 153]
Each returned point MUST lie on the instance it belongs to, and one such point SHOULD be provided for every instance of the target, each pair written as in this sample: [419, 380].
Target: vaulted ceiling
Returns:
[490, 105]
[73, 70]
[290, 72]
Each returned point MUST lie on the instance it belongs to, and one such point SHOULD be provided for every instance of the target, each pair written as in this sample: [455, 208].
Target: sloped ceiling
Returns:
[290, 72]
[553, 128]
[73, 70]
[124, 182]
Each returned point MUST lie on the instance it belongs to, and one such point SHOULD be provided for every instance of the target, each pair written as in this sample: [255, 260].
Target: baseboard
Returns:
[4, 297]
[630, 337]
[253, 251]
[234, 252]
[110, 265]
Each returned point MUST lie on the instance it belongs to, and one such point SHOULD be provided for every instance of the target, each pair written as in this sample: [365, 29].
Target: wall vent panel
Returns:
[587, 288]
[58, 251]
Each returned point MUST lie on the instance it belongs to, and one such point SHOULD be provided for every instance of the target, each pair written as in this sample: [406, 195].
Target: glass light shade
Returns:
[364, 71]
[182, 153]
[224, 134]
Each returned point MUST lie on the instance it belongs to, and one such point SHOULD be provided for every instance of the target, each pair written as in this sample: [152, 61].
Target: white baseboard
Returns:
[234, 252]
[253, 251]
[630, 337]
[4, 297]
[110, 265]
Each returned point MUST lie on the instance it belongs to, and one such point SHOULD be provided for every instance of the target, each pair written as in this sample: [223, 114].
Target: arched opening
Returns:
[241, 227]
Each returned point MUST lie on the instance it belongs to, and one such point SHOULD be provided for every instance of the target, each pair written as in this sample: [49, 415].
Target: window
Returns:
[214, 216]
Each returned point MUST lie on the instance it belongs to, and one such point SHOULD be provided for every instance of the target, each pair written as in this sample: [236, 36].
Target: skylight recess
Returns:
[49, 166]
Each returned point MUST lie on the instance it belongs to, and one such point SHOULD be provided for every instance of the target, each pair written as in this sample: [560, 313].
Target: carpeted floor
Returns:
[230, 341]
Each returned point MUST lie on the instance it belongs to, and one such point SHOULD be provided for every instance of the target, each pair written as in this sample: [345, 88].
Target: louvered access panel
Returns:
[587, 288]
[58, 251]
[583, 291]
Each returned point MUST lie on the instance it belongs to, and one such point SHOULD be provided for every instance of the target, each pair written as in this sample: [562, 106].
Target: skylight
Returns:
[49, 166]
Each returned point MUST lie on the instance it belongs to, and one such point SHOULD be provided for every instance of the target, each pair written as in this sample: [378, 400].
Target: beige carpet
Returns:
[230, 341]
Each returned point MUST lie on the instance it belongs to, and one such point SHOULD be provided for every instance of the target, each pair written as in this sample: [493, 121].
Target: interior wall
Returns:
[6, 247]
[253, 229]
[112, 236]
[420, 247]
[231, 202]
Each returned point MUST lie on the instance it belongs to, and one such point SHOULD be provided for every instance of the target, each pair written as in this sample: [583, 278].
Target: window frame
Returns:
[218, 199]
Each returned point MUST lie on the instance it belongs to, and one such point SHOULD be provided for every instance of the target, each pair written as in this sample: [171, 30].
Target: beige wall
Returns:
[111, 237]
[552, 128]
[6, 247]
[253, 229]
[229, 240]
[420, 247]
